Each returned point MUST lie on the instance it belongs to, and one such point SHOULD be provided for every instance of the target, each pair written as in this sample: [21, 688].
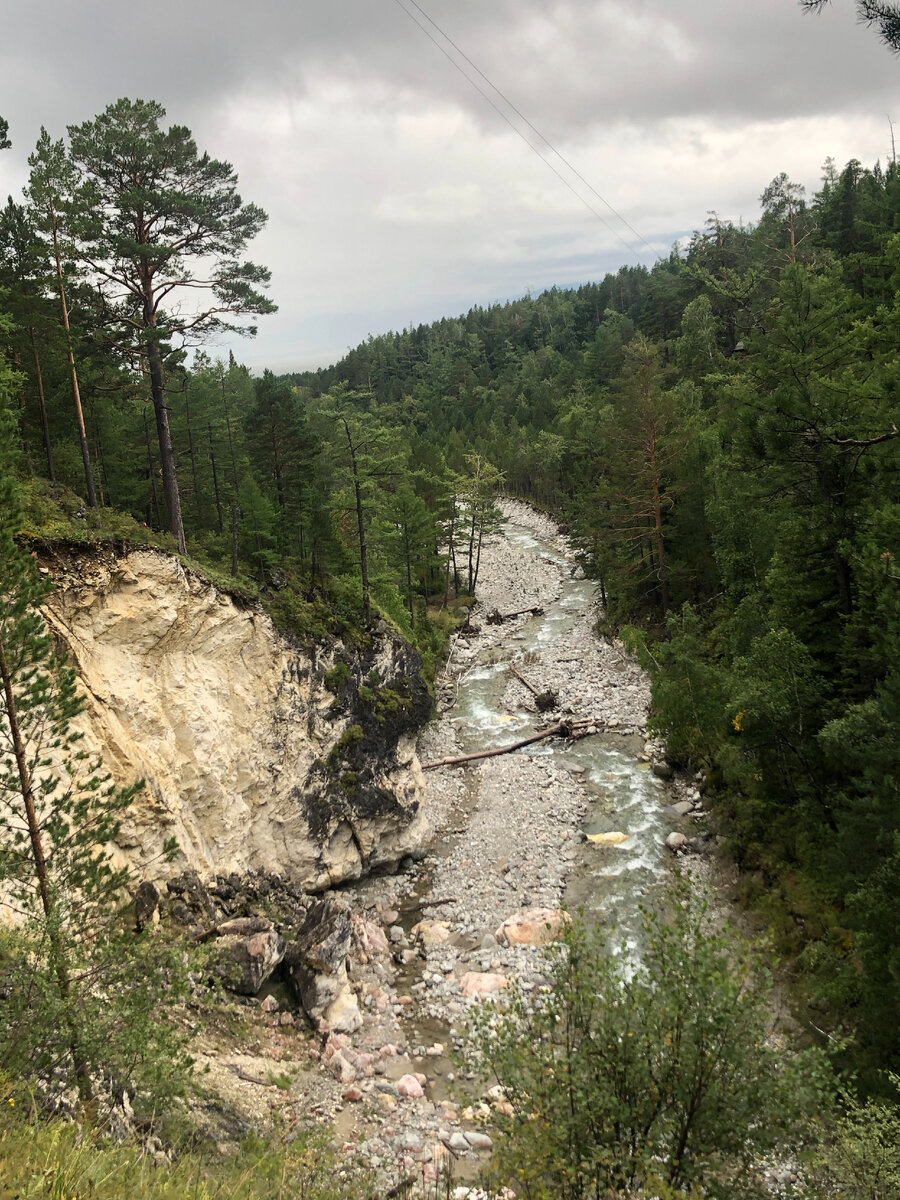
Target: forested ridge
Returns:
[719, 433]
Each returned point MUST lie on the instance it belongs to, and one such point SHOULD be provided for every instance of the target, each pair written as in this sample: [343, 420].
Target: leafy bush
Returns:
[861, 1159]
[657, 1072]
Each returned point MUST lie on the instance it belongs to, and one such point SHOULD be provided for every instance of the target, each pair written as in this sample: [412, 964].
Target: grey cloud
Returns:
[394, 188]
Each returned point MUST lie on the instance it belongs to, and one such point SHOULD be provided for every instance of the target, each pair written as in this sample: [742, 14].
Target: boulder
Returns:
[663, 770]
[245, 963]
[317, 967]
[324, 938]
[409, 1086]
[481, 983]
[533, 927]
[146, 905]
[368, 940]
[478, 1141]
[432, 933]
[677, 842]
[243, 927]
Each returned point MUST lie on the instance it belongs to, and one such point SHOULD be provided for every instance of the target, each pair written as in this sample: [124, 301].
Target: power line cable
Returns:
[517, 130]
[533, 128]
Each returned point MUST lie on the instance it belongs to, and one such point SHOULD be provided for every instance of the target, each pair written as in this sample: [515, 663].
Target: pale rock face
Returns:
[232, 727]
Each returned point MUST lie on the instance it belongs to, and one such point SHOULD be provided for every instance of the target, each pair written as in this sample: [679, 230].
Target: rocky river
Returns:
[517, 838]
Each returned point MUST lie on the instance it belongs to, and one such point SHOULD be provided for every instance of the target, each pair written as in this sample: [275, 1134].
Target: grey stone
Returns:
[323, 941]
[317, 967]
[245, 963]
[677, 842]
[146, 902]
[478, 1141]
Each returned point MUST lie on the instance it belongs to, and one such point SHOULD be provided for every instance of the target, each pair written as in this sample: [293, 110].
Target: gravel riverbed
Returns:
[508, 834]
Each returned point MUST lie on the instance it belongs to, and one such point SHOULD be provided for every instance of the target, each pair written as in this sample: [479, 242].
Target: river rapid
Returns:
[512, 834]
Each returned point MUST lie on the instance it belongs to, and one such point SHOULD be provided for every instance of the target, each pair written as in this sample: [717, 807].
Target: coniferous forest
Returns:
[718, 433]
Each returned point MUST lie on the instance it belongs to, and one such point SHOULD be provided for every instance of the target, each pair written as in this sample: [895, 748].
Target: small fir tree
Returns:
[80, 994]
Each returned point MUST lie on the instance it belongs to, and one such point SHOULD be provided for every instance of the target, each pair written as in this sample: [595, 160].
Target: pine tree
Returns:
[164, 218]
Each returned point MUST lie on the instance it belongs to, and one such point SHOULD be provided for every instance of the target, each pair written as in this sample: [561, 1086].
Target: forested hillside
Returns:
[719, 432]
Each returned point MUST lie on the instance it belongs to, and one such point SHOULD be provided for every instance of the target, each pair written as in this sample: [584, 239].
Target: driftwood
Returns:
[521, 678]
[545, 700]
[247, 1078]
[497, 618]
[561, 729]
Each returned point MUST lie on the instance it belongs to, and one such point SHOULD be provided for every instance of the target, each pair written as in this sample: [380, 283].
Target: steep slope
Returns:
[250, 760]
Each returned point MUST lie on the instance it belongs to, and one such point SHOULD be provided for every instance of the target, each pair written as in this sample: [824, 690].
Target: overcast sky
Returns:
[395, 192]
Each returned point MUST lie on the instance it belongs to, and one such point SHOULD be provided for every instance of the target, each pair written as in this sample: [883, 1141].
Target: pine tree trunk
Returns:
[215, 475]
[163, 434]
[234, 538]
[45, 427]
[470, 588]
[155, 518]
[73, 373]
[361, 527]
[409, 589]
[192, 456]
[658, 529]
[57, 955]
[451, 558]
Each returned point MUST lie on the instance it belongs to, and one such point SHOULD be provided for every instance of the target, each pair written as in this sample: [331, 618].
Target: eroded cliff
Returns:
[250, 760]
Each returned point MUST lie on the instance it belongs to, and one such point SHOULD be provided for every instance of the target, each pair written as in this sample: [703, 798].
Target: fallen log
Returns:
[561, 729]
[522, 679]
[544, 701]
[497, 618]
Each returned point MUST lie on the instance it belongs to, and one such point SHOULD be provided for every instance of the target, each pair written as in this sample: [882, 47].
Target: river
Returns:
[511, 835]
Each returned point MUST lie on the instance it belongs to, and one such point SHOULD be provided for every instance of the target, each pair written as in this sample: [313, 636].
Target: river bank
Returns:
[516, 838]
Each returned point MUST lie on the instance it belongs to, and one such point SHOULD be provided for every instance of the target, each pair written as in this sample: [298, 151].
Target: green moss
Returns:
[350, 736]
[337, 677]
[389, 702]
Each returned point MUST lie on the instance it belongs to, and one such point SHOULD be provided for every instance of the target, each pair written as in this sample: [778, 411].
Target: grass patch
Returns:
[62, 1161]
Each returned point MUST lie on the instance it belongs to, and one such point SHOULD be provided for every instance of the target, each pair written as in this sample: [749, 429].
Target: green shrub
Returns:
[861, 1158]
[647, 1070]
[351, 735]
[337, 677]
